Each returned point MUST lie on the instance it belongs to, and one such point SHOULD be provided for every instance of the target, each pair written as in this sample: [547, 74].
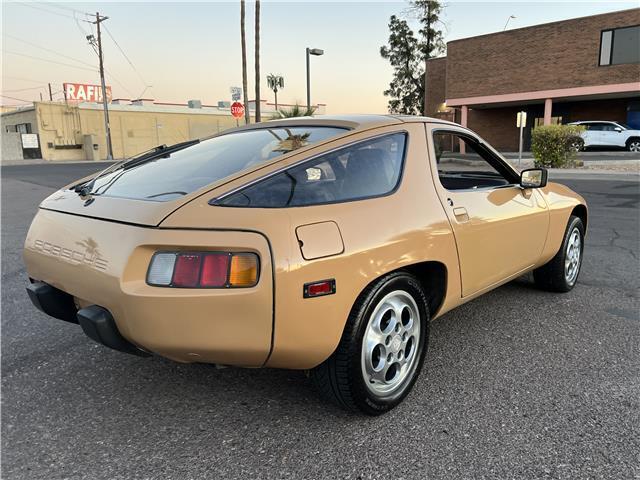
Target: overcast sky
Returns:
[189, 51]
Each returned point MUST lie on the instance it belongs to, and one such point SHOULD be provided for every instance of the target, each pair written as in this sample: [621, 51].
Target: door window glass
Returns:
[464, 163]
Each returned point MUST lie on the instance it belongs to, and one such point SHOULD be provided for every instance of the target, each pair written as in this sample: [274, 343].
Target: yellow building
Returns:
[77, 132]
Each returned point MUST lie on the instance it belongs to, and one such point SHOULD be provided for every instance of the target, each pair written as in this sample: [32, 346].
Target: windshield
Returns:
[182, 172]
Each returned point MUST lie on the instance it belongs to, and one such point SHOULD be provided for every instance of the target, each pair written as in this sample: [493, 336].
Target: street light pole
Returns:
[317, 52]
[104, 87]
[507, 23]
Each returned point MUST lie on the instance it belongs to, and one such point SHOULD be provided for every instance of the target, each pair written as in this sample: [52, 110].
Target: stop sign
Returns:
[237, 110]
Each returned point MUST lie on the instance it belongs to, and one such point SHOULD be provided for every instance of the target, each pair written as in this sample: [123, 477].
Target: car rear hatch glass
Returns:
[168, 177]
[149, 191]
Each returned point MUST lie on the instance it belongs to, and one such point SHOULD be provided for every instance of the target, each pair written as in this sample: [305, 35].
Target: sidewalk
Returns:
[619, 155]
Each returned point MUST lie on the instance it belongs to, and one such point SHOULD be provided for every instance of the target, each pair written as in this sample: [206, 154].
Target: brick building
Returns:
[580, 69]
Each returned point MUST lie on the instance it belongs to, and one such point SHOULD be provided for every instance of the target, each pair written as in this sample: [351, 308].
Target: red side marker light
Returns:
[318, 289]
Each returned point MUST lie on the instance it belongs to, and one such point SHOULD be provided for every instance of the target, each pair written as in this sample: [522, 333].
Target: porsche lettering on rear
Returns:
[86, 253]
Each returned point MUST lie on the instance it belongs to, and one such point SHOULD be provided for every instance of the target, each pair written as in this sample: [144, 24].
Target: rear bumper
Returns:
[52, 301]
[224, 326]
[96, 322]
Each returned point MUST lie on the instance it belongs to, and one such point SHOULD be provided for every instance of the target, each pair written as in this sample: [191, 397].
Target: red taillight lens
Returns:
[187, 270]
[215, 269]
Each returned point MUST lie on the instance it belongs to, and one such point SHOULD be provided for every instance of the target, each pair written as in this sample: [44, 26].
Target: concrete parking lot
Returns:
[519, 383]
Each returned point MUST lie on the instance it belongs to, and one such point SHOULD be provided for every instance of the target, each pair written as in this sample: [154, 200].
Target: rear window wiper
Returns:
[157, 152]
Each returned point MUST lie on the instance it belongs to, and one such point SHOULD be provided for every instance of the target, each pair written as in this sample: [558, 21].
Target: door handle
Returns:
[461, 214]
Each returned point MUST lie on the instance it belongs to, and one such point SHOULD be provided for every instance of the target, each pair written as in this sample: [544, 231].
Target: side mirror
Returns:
[534, 178]
[618, 129]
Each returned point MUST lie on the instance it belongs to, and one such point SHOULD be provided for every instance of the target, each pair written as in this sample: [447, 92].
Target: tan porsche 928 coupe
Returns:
[325, 244]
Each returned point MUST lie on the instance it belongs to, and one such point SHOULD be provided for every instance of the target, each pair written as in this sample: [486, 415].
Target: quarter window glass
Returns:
[367, 169]
[465, 164]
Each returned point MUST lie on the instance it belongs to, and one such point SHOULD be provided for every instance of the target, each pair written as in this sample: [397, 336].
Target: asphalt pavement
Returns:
[519, 383]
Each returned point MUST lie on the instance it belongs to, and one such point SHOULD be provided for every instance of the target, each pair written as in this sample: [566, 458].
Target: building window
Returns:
[620, 45]
[539, 121]
[23, 128]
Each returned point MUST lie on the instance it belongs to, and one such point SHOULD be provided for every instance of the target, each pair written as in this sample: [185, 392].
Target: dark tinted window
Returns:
[620, 45]
[626, 45]
[366, 169]
[463, 163]
[187, 170]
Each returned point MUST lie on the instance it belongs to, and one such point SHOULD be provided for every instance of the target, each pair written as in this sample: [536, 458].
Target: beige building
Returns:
[67, 131]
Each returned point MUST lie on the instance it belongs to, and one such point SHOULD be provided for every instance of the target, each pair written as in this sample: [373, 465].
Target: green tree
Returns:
[408, 54]
[295, 111]
[275, 82]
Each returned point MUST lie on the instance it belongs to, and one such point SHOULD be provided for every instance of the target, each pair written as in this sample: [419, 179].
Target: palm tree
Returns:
[247, 118]
[257, 51]
[274, 82]
[295, 111]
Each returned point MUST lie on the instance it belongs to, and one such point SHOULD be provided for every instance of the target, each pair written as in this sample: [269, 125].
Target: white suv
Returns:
[608, 134]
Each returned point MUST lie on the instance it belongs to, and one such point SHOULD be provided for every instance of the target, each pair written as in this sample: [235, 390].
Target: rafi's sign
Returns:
[81, 92]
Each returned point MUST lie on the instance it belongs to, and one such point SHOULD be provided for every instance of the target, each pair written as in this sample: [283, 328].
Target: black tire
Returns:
[633, 144]
[341, 379]
[577, 144]
[552, 276]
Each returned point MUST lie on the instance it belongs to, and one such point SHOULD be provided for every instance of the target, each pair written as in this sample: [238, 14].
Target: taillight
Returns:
[203, 269]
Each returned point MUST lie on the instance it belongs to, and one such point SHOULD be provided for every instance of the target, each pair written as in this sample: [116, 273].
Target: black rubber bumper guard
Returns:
[96, 322]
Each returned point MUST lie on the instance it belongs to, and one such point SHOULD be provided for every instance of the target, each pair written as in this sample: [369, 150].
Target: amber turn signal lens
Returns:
[244, 270]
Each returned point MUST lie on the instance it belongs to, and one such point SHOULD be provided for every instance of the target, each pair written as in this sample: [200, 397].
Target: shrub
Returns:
[295, 111]
[554, 146]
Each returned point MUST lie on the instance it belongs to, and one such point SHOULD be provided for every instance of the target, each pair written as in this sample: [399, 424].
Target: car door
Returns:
[500, 228]
[611, 135]
[596, 134]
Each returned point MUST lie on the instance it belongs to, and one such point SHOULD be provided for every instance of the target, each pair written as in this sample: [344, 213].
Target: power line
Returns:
[31, 5]
[18, 99]
[84, 32]
[48, 50]
[24, 89]
[125, 56]
[63, 7]
[25, 79]
[50, 61]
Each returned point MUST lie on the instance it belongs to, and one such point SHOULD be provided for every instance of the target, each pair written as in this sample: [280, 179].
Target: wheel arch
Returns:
[580, 211]
[432, 276]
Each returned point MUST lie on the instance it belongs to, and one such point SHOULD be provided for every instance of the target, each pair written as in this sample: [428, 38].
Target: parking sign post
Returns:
[521, 121]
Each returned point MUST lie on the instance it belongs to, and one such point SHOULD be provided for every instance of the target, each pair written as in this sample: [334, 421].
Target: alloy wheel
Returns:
[390, 346]
[573, 257]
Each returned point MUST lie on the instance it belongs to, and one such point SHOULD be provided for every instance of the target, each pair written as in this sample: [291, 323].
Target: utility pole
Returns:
[257, 60]
[247, 115]
[50, 94]
[99, 20]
